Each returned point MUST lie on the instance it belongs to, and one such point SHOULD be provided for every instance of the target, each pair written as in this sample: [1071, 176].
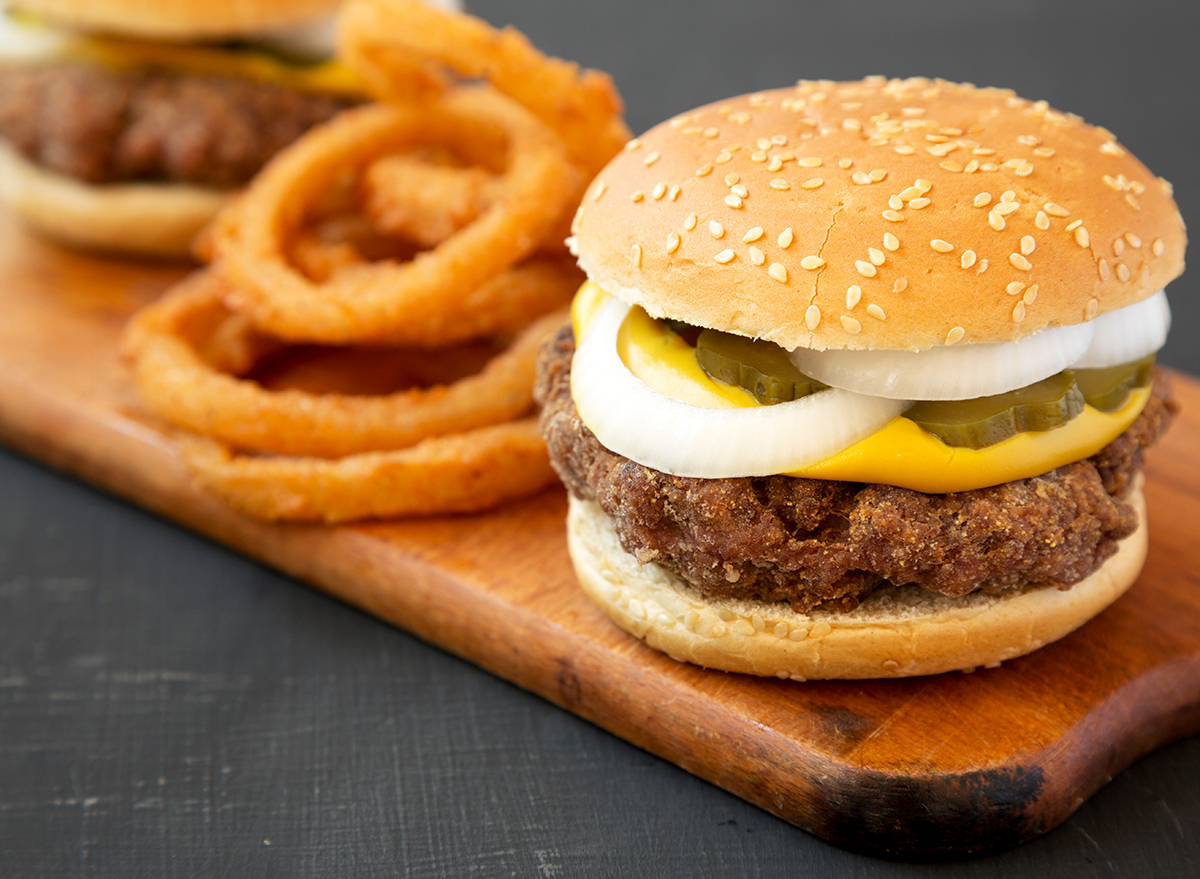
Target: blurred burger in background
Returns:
[125, 124]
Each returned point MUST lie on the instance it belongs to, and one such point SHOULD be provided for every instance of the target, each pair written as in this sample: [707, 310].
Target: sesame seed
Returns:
[753, 235]
[1123, 271]
[1157, 247]
[853, 295]
[1008, 195]
[896, 203]
[785, 238]
[779, 139]
[988, 166]
[904, 149]
[955, 335]
[809, 161]
[995, 221]
[1006, 207]
[968, 259]
[711, 132]
[845, 162]
[725, 256]
[941, 246]
[1081, 236]
[811, 262]
[1028, 245]
[673, 242]
[1134, 241]
[743, 627]
[690, 223]
[983, 151]
[812, 317]
[900, 286]
[775, 164]
[1055, 210]
[660, 189]
[890, 241]
[690, 619]
[1030, 294]
[910, 193]
[1133, 202]
[633, 144]
[851, 324]
[922, 184]
[1102, 268]
[866, 269]
[851, 124]
[763, 144]
[731, 178]
[757, 257]
[877, 175]
[1111, 148]
[983, 199]
[704, 170]
[1020, 262]
[812, 183]
[780, 183]
[740, 190]
[1042, 221]
[673, 192]
[917, 203]
[719, 630]
[982, 267]
[1043, 152]
[876, 312]
[1024, 169]
[781, 629]
[1118, 247]
[733, 201]
[875, 255]
[893, 216]
[1073, 225]
[1014, 288]
[717, 230]
[778, 272]
[758, 156]
[601, 188]
[651, 158]
[861, 178]
[723, 157]
[952, 166]
[637, 196]
[635, 256]
[1092, 309]
[1028, 140]
[1018, 313]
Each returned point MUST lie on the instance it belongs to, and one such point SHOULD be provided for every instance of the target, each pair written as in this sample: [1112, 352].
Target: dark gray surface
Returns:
[168, 708]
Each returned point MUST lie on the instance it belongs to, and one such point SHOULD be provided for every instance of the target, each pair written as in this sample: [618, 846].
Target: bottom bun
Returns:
[150, 219]
[898, 631]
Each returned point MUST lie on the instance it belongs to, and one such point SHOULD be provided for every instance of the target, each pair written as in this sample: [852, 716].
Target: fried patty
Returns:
[812, 542]
[102, 125]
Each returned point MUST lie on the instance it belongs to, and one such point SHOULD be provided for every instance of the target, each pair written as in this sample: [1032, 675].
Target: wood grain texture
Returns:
[928, 767]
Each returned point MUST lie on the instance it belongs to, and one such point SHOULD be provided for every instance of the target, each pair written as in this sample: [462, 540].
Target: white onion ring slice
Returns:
[633, 420]
[948, 372]
[1129, 333]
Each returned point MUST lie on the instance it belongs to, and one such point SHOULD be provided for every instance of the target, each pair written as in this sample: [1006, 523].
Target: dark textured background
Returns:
[170, 709]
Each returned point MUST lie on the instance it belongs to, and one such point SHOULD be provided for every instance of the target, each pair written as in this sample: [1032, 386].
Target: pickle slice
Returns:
[985, 421]
[1108, 388]
[762, 368]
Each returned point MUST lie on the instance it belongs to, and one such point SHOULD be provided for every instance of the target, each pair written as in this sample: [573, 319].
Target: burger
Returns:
[125, 125]
[861, 378]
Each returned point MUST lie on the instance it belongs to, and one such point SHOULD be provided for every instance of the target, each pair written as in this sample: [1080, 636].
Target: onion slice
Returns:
[1129, 333]
[633, 420]
[948, 372]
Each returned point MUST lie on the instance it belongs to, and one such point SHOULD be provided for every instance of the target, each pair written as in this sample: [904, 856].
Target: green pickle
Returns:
[762, 368]
[1107, 389]
[985, 421]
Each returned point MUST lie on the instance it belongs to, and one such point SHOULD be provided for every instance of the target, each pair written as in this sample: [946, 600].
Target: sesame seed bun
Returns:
[895, 632]
[180, 19]
[759, 214]
[150, 219]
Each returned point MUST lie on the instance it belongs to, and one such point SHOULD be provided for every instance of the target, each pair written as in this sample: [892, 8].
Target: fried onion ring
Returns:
[176, 378]
[424, 202]
[463, 473]
[386, 301]
[391, 43]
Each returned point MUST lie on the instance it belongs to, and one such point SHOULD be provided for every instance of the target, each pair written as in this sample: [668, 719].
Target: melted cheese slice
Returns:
[901, 453]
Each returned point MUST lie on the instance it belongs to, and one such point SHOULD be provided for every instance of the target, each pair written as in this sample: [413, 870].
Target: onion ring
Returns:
[385, 302]
[424, 202]
[391, 42]
[463, 473]
[165, 341]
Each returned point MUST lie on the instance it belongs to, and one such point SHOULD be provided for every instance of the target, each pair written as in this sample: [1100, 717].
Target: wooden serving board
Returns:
[926, 767]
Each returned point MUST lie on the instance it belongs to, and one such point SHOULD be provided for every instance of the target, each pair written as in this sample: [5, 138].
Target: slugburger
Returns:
[860, 380]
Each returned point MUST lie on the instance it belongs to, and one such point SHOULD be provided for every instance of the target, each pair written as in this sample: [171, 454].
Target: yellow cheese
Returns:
[900, 453]
[325, 77]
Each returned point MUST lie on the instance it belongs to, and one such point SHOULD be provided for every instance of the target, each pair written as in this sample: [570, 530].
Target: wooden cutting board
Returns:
[926, 767]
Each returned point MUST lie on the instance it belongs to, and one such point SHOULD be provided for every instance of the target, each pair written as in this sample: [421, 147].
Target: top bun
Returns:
[181, 19]
[897, 214]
